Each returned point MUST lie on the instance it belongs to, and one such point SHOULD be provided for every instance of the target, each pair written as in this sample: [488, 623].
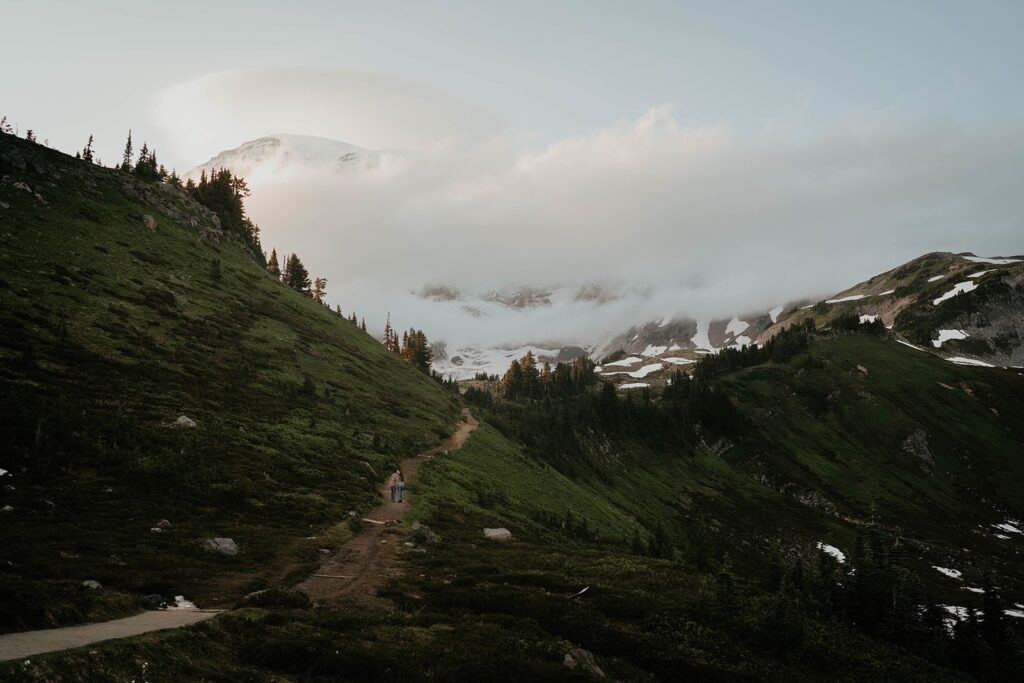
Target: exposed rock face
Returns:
[224, 546]
[499, 534]
[917, 445]
[578, 658]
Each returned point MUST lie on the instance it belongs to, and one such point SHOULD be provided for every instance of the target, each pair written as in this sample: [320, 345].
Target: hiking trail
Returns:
[363, 560]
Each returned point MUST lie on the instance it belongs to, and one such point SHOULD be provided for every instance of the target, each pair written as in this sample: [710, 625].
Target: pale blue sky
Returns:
[548, 68]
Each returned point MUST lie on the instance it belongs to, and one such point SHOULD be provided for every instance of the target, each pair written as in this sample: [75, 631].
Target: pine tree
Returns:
[363, 325]
[272, 265]
[87, 154]
[297, 276]
[30, 135]
[388, 332]
[319, 290]
[126, 159]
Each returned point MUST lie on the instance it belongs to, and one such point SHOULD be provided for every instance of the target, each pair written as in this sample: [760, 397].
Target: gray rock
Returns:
[420, 534]
[93, 584]
[578, 658]
[153, 601]
[183, 422]
[224, 546]
[164, 524]
[149, 222]
[6, 508]
[499, 534]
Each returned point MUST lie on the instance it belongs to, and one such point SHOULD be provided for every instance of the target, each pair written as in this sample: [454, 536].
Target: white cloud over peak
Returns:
[677, 218]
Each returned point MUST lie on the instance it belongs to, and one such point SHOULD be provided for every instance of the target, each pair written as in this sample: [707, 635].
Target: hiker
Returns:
[401, 485]
[393, 483]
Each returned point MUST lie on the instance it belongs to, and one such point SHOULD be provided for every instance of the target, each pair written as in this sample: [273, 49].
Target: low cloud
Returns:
[674, 219]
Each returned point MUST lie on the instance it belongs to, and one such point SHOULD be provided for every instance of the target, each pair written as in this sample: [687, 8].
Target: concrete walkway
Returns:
[28, 643]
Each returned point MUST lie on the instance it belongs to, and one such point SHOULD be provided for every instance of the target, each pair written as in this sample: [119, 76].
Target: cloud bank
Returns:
[673, 219]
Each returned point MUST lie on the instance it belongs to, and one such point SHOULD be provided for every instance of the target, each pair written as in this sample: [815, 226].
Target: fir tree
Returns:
[126, 158]
[296, 276]
[30, 135]
[87, 154]
[272, 265]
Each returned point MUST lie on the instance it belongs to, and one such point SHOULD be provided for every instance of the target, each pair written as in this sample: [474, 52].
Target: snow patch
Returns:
[736, 326]
[833, 551]
[983, 272]
[701, 339]
[645, 370]
[632, 360]
[936, 278]
[960, 288]
[653, 350]
[634, 385]
[181, 603]
[1019, 614]
[1010, 526]
[946, 335]
[906, 343]
[774, 313]
[993, 261]
[951, 573]
[852, 297]
[972, 589]
[886, 292]
[678, 361]
[960, 360]
[865, 318]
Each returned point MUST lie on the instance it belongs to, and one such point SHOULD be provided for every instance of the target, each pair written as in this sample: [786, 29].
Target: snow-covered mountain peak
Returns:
[280, 153]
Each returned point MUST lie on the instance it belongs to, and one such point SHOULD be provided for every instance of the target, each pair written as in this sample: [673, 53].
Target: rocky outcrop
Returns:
[223, 546]
[500, 534]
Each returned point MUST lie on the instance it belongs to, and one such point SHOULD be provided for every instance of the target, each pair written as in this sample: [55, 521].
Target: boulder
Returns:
[421, 534]
[183, 422]
[578, 658]
[153, 601]
[499, 534]
[224, 546]
[149, 222]
[92, 584]
[163, 524]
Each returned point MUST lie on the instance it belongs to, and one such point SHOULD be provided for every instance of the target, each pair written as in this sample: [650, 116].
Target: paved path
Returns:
[28, 643]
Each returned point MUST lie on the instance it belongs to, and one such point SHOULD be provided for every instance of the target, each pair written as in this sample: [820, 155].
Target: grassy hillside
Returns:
[108, 332]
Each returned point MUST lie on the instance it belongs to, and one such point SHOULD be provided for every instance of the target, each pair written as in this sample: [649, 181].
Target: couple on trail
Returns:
[397, 483]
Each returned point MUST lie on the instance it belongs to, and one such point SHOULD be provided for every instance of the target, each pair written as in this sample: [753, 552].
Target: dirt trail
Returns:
[364, 558]
[360, 567]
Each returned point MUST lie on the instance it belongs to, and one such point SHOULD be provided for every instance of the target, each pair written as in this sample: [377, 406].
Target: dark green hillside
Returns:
[109, 331]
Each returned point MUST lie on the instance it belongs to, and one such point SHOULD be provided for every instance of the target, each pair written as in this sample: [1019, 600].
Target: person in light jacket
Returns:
[393, 483]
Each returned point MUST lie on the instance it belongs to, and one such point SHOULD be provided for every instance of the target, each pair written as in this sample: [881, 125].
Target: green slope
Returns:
[109, 330]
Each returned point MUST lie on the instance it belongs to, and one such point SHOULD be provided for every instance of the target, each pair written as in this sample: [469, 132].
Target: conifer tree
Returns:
[319, 290]
[30, 135]
[87, 154]
[363, 325]
[126, 159]
[272, 265]
[297, 277]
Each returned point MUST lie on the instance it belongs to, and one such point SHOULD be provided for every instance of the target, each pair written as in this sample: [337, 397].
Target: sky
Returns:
[689, 153]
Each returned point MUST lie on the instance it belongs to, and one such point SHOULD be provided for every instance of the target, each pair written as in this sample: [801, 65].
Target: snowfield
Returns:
[960, 288]
[653, 350]
[983, 272]
[946, 335]
[774, 313]
[645, 370]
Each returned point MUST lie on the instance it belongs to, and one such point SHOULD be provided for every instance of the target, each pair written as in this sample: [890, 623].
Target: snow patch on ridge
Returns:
[960, 288]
